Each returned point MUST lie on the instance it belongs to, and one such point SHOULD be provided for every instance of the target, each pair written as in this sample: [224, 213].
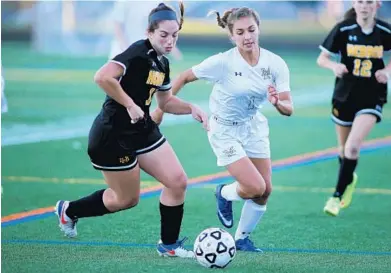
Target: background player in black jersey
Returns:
[124, 139]
[360, 88]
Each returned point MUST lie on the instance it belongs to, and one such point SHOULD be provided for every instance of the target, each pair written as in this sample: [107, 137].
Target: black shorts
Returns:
[343, 113]
[114, 149]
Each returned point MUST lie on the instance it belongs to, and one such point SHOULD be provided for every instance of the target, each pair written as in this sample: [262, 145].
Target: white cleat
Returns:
[66, 224]
[174, 250]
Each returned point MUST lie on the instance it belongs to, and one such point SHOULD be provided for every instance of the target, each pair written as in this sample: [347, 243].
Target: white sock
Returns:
[251, 214]
[229, 192]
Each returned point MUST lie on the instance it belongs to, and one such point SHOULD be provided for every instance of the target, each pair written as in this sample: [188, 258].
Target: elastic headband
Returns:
[163, 15]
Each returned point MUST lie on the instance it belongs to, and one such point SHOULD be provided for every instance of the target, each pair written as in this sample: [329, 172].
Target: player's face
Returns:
[245, 33]
[366, 9]
[164, 38]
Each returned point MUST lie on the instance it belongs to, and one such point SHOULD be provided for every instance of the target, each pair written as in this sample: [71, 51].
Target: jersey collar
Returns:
[151, 52]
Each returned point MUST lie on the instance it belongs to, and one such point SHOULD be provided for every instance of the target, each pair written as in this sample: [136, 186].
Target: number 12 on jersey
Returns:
[362, 68]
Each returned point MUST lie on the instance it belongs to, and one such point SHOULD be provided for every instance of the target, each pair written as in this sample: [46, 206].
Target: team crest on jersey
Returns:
[335, 112]
[266, 74]
[352, 38]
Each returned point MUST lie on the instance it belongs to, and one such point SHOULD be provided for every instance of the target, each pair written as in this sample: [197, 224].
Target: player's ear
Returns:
[378, 3]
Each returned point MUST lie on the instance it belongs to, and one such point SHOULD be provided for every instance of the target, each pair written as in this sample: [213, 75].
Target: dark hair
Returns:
[155, 24]
[232, 15]
[350, 14]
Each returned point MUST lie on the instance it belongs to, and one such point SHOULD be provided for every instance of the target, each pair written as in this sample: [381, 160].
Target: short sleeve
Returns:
[282, 77]
[211, 69]
[332, 43]
[386, 37]
[124, 59]
[167, 82]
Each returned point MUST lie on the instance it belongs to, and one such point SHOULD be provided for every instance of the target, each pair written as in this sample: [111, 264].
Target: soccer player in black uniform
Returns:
[123, 138]
[360, 88]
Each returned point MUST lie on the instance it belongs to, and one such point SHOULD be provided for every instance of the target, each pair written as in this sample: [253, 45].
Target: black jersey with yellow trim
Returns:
[144, 74]
[362, 53]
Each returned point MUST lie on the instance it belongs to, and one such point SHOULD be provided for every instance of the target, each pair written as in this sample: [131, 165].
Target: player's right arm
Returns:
[332, 46]
[324, 60]
[107, 79]
[183, 79]
[210, 69]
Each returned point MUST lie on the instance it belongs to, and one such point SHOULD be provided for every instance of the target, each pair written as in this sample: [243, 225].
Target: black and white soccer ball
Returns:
[214, 248]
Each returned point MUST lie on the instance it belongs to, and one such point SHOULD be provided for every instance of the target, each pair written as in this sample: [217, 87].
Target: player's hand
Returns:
[135, 113]
[200, 116]
[272, 95]
[157, 116]
[339, 70]
[382, 76]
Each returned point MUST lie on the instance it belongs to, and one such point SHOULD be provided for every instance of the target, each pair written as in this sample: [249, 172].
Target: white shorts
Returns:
[231, 142]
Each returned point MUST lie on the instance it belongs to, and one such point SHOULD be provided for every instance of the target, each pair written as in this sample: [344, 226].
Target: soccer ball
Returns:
[214, 248]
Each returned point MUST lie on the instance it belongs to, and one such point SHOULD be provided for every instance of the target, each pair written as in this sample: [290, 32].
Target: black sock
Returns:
[170, 221]
[345, 176]
[88, 206]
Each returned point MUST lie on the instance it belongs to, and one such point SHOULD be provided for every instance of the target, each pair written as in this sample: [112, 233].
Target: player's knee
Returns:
[178, 181]
[268, 190]
[255, 190]
[352, 150]
[127, 203]
[182, 181]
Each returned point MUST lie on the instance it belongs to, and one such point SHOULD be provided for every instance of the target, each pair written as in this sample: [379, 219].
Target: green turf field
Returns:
[55, 99]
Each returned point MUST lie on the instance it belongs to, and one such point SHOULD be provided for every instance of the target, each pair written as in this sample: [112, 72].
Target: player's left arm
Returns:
[280, 95]
[169, 103]
[210, 69]
[282, 101]
[157, 114]
[383, 75]
[174, 105]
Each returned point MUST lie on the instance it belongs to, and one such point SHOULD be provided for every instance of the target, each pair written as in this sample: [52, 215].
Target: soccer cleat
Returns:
[66, 224]
[333, 206]
[174, 250]
[348, 194]
[224, 208]
[246, 245]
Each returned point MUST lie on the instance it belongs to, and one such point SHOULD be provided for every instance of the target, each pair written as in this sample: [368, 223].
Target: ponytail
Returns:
[350, 14]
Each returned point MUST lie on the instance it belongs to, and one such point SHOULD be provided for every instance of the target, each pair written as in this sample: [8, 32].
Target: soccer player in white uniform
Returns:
[244, 78]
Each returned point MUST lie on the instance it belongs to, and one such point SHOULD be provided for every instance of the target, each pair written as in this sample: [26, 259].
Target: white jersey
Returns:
[241, 89]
